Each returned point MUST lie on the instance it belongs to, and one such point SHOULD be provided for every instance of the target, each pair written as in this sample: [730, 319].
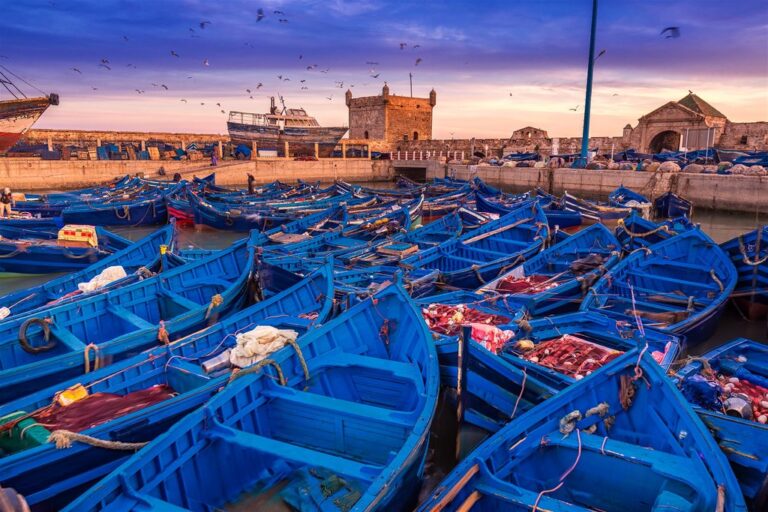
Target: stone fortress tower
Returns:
[390, 118]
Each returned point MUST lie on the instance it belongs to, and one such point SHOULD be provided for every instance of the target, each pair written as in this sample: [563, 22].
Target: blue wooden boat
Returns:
[749, 254]
[492, 391]
[594, 212]
[635, 231]
[566, 359]
[488, 251]
[144, 253]
[392, 251]
[678, 286]
[30, 221]
[729, 413]
[611, 442]
[557, 278]
[156, 389]
[140, 212]
[670, 205]
[348, 431]
[557, 216]
[627, 198]
[38, 251]
[76, 338]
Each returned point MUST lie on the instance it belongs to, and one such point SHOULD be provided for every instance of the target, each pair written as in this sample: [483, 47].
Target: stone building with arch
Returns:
[690, 123]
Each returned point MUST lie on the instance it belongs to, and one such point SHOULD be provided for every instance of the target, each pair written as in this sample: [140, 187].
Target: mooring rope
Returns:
[65, 438]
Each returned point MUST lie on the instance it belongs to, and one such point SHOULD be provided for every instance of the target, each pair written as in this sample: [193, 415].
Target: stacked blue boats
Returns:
[332, 356]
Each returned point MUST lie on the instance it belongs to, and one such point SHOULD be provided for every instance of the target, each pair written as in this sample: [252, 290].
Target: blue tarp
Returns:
[519, 157]
[244, 150]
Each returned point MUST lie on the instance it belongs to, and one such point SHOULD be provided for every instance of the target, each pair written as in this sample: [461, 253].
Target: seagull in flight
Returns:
[672, 32]
[329, 98]
[417, 61]
[76, 70]
[105, 61]
[174, 54]
[281, 13]
[575, 108]
[182, 99]
[403, 45]
[204, 23]
[164, 86]
[260, 14]
[259, 85]
[105, 66]
[206, 63]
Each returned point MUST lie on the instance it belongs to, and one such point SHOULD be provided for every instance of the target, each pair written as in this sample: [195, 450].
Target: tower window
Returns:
[405, 137]
[744, 140]
[365, 135]
[415, 135]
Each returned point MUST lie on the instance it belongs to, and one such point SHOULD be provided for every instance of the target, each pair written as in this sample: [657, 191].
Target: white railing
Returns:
[427, 155]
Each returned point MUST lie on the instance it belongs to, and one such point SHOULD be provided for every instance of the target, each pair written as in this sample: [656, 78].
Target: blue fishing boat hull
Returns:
[49, 478]
[484, 253]
[555, 263]
[146, 212]
[36, 251]
[75, 338]
[592, 447]
[635, 231]
[336, 422]
[593, 328]
[749, 254]
[671, 205]
[744, 441]
[679, 286]
[143, 253]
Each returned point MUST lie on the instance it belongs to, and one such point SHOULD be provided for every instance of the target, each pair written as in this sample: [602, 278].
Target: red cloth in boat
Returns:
[99, 408]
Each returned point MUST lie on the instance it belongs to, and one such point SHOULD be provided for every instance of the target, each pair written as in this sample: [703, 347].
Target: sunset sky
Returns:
[496, 65]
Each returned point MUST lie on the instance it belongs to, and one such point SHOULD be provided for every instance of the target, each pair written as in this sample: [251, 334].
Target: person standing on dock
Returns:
[6, 201]
[214, 159]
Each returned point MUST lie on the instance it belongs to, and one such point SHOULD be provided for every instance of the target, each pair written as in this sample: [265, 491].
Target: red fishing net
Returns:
[571, 355]
[99, 408]
[530, 284]
[448, 319]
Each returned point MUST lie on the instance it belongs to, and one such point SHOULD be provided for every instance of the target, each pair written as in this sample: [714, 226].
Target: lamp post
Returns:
[584, 157]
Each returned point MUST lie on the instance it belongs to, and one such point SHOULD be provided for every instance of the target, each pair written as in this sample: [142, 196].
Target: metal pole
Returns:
[462, 364]
[583, 159]
[410, 78]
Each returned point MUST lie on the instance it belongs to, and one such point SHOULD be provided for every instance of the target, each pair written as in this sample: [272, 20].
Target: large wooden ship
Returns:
[293, 125]
[17, 115]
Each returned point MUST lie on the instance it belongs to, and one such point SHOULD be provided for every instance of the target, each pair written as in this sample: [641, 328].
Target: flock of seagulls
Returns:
[671, 32]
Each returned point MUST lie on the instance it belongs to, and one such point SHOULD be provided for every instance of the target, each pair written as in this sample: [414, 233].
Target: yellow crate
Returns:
[79, 233]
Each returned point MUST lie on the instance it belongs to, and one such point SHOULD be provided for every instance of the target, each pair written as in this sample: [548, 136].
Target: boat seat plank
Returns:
[403, 370]
[342, 407]
[179, 300]
[695, 284]
[292, 452]
[132, 318]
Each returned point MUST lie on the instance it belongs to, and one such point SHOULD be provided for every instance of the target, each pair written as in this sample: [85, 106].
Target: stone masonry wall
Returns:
[407, 117]
[756, 136]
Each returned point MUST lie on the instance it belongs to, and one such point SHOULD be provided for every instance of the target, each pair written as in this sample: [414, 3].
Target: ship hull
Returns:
[18, 116]
[301, 140]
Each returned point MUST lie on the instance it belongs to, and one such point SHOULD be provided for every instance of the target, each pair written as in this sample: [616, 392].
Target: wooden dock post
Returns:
[254, 150]
[343, 150]
[287, 150]
[221, 150]
[317, 150]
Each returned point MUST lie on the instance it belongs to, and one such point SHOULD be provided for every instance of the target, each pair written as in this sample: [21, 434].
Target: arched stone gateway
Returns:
[667, 140]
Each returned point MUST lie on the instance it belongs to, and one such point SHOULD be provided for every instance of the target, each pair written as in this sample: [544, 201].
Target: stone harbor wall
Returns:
[26, 175]
[717, 192]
